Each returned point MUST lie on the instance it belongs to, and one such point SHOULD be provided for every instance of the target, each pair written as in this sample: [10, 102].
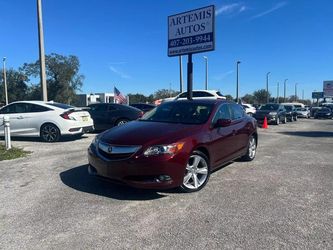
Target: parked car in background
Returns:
[178, 144]
[249, 109]
[108, 115]
[145, 107]
[291, 113]
[295, 104]
[313, 111]
[47, 120]
[201, 94]
[323, 113]
[303, 113]
[275, 113]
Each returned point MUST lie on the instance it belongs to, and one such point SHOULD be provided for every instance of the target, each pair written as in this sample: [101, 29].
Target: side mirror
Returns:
[222, 123]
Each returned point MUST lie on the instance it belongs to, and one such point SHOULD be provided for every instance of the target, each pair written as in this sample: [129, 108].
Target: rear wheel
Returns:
[197, 173]
[49, 133]
[121, 122]
[251, 149]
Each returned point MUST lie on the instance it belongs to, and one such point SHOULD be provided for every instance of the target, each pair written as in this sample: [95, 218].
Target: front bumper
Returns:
[154, 172]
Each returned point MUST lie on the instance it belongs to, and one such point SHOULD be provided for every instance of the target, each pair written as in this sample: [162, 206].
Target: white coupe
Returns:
[47, 120]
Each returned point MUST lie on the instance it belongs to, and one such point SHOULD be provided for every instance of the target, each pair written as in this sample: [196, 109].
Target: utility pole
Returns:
[237, 81]
[296, 92]
[302, 94]
[41, 51]
[277, 95]
[206, 82]
[5, 79]
[180, 74]
[285, 90]
[267, 95]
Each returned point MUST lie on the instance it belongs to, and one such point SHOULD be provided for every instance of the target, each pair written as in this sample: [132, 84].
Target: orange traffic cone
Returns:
[265, 125]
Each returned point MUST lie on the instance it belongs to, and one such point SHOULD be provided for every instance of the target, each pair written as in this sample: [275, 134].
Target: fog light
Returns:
[164, 178]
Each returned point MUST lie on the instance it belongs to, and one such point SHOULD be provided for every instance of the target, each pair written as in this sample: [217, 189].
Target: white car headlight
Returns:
[171, 149]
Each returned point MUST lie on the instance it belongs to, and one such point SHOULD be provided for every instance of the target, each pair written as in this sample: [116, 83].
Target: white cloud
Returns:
[119, 73]
[274, 8]
[230, 9]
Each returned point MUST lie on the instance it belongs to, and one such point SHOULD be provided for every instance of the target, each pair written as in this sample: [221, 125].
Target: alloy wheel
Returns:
[50, 133]
[196, 172]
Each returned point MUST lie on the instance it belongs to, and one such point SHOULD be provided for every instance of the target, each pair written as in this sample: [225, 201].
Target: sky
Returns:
[123, 43]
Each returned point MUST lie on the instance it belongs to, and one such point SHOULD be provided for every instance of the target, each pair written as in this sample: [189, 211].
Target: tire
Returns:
[49, 133]
[285, 120]
[277, 120]
[197, 173]
[295, 118]
[251, 149]
[121, 122]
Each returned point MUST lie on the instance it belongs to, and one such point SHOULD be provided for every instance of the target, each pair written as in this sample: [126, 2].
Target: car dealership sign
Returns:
[191, 32]
[328, 88]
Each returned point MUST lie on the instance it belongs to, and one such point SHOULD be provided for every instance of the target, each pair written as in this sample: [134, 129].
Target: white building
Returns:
[86, 99]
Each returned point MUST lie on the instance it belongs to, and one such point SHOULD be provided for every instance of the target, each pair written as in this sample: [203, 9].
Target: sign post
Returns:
[191, 32]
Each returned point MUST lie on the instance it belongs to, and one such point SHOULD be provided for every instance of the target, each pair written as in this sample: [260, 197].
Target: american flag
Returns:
[118, 97]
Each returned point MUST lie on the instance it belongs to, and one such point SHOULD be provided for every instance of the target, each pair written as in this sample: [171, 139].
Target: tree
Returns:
[248, 98]
[165, 93]
[63, 78]
[137, 98]
[260, 96]
[17, 87]
[229, 97]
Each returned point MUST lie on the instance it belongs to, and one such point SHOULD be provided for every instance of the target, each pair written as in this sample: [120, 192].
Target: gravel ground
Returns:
[283, 199]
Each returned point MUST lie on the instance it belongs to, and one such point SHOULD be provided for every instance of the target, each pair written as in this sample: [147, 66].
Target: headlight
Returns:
[272, 113]
[95, 141]
[171, 149]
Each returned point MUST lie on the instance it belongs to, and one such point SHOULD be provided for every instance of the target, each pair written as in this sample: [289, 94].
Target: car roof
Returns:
[204, 101]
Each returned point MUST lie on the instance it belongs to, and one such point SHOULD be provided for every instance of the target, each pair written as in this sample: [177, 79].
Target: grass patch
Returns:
[12, 153]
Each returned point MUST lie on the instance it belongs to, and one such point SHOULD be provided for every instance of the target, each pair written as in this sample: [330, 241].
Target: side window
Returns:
[10, 109]
[99, 108]
[22, 108]
[222, 113]
[34, 108]
[112, 108]
[183, 95]
[201, 94]
[237, 111]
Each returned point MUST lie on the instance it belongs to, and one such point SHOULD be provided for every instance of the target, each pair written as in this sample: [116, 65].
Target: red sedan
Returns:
[177, 144]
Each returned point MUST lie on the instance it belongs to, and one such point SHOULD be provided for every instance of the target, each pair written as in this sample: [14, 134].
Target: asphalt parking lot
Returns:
[282, 199]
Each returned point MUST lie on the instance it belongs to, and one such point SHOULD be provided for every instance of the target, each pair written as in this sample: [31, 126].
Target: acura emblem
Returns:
[110, 149]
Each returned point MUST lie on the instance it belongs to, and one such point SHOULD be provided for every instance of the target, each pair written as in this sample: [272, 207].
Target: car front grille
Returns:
[116, 152]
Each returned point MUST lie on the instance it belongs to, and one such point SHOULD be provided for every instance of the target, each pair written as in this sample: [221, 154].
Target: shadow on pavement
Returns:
[79, 179]
[37, 139]
[309, 133]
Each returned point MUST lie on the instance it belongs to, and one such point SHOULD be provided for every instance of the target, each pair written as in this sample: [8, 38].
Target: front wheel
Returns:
[277, 120]
[251, 149]
[295, 118]
[49, 133]
[285, 120]
[197, 172]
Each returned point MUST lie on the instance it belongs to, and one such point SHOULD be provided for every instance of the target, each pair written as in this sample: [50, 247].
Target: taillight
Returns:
[65, 115]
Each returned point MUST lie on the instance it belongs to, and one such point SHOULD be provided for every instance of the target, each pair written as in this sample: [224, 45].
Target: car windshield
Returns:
[269, 107]
[180, 112]
[289, 108]
[60, 105]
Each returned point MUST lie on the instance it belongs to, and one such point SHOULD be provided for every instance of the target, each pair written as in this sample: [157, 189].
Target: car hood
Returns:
[146, 132]
[259, 112]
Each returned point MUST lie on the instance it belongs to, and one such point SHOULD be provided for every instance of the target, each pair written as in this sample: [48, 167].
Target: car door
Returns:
[17, 118]
[222, 138]
[238, 117]
[34, 116]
